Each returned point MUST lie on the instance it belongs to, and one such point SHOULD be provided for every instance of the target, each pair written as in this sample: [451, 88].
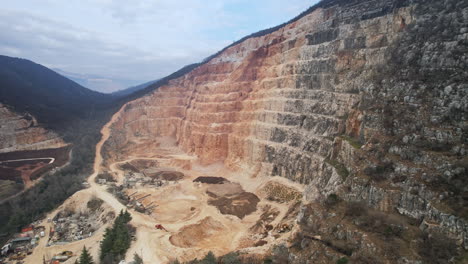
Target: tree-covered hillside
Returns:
[53, 99]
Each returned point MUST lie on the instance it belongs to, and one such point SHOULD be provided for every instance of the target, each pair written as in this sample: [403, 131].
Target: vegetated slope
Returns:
[40, 106]
[53, 99]
[22, 132]
[363, 102]
[99, 83]
[133, 89]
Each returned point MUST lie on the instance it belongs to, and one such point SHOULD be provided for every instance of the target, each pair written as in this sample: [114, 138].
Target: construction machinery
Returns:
[160, 227]
[143, 197]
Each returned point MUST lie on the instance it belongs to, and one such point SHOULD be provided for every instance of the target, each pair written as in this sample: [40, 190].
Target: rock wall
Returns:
[22, 132]
[364, 99]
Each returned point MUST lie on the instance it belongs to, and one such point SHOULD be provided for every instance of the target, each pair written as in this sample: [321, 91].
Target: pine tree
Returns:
[107, 242]
[117, 239]
[127, 217]
[85, 257]
[209, 259]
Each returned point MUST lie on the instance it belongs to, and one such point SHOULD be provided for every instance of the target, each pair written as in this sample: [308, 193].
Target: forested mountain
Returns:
[53, 99]
[132, 89]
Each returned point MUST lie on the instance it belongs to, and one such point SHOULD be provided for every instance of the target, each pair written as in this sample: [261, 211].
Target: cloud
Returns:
[137, 40]
[79, 50]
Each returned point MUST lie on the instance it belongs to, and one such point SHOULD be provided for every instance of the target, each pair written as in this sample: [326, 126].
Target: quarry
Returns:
[340, 136]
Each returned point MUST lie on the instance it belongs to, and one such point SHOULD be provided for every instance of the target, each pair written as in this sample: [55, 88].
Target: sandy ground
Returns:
[194, 227]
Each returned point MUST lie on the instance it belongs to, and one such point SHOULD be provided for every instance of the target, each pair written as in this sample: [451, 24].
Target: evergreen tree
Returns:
[127, 217]
[231, 258]
[85, 257]
[209, 259]
[117, 239]
[107, 242]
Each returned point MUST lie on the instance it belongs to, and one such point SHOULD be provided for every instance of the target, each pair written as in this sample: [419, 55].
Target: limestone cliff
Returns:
[22, 132]
[359, 100]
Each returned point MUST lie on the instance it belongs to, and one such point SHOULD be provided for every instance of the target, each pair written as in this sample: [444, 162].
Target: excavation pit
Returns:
[207, 231]
[176, 211]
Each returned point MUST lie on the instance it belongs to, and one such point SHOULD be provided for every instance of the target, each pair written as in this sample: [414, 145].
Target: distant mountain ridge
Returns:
[103, 84]
[52, 98]
[130, 90]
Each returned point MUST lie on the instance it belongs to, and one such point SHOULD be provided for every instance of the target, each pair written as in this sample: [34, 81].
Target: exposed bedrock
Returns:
[22, 132]
[363, 99]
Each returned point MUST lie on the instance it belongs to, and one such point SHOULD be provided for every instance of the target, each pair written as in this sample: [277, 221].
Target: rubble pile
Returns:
[69, 225]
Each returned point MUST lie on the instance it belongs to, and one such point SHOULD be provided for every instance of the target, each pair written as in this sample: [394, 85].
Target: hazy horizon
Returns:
[136, 41]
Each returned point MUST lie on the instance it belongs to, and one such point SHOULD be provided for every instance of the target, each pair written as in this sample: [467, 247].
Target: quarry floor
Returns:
[194, 227]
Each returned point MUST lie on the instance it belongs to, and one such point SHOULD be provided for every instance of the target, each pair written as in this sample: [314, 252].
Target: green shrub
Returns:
[94, 204]
[210, 258]
[231, 258]
[340, 168]
[342, 260]
[378, 173]
[365, 258]
[352, 141]
[356, 209]
[437, 248]
[331, 201]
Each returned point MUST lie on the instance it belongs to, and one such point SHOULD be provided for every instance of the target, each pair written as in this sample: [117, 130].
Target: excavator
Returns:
[160, 227]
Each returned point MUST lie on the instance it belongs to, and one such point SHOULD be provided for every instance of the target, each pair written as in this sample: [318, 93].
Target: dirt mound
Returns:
[168, 175]
[176, 211]
[240, 204]
[197, 234]
[211, 180]
[263, 225]
[129, 167]
[224, 189]
[80, 219]
[277, 192]
[176, 204]
[144, 164]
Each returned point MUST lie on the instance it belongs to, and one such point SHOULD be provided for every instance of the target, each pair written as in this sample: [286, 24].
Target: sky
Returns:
[132, 40]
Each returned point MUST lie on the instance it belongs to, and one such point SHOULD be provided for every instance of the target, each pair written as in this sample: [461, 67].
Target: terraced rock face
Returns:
[21, 132]
[363, 99]
[27, 151]
[275, 99]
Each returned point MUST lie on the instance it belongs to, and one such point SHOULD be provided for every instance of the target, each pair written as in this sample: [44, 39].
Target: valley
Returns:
[337, 137]
[192, 224]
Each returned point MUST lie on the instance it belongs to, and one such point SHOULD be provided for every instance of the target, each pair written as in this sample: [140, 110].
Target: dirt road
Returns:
[93, 242]
[49, 158]
[183, 209]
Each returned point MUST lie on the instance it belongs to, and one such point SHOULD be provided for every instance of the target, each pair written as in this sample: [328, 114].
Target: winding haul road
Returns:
[153, 245]
[138, 220]
[48, 158]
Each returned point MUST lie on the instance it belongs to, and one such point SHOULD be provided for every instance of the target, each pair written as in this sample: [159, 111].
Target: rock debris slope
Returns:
[22, 132]
[363, 102]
